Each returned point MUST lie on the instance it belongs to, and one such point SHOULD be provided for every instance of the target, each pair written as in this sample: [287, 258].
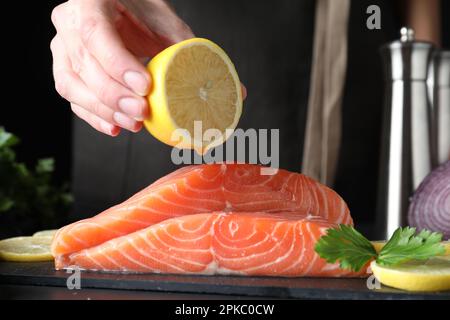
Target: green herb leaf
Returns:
[7, 139]
[45, 165]
[404, 245]
[29, 198]
[353, 250]
[346, 245]
[5, 204]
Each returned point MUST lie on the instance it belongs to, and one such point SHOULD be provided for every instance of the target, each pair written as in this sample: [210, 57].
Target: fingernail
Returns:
[115, 131]
[132, 107]
[123, 120]
[137, 82]
[244, 91]
[106, 127]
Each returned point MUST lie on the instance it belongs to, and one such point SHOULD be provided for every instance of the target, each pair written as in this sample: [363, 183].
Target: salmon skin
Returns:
[193, 193]
[252, 244]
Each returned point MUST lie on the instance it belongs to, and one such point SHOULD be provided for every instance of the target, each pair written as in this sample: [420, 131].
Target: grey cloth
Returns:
[270, 43]
[324, 125]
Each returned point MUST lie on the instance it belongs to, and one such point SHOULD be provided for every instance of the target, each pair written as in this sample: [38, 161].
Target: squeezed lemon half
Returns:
[193, 82]
[26, 249]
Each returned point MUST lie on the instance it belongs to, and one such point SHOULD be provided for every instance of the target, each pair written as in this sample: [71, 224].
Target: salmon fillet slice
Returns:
[205, 188]
[252, 244]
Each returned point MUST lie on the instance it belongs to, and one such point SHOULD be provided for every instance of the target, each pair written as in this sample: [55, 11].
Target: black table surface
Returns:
[40, 280]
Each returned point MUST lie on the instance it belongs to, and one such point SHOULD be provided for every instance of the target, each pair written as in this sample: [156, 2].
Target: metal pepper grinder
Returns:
[441, 104]
[407, 154]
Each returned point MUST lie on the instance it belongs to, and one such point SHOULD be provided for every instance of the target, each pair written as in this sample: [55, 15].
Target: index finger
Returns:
[99, 36]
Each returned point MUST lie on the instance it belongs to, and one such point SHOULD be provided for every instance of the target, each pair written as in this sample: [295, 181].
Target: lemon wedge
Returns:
[430, 275]
[26, 249]
[195, 87]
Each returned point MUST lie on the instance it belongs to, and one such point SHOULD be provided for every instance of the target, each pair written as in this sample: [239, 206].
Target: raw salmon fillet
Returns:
[218, 218]
[200, 189]
[217, 243]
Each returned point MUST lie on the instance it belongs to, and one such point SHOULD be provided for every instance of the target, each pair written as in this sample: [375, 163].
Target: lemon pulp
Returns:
[45, 233]
[25, 249]
[194, 81]
[430, 275]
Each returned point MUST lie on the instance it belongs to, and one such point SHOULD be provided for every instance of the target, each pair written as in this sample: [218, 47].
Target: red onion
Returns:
[430, 205]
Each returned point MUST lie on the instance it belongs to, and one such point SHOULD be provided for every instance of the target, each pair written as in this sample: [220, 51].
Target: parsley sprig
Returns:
[29, 197]
[354, 251]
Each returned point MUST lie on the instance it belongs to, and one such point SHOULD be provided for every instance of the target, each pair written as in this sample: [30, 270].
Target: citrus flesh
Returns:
[430, 275]
[45, 233]
[24, 249]
[194, 84]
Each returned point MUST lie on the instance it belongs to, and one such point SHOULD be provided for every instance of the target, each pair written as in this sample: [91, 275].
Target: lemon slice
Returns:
[26, 249]
[430, 275]
[193, 81]
[45, 233]
[378, 245]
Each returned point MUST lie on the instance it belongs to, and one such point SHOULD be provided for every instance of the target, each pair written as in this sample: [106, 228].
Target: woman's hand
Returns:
[98, 54]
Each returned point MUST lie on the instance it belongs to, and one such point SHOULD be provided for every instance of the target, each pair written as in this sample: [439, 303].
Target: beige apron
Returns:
[323, 127]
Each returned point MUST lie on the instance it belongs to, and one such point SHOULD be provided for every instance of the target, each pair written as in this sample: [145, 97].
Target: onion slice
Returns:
[430, 205]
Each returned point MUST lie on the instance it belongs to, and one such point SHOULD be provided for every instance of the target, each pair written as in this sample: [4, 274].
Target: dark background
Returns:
[32, 109]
